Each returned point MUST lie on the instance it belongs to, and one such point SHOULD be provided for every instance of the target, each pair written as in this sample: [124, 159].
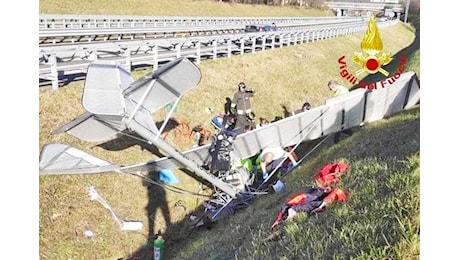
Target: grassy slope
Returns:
[300, 73]
[379, 219]
[65, 211]
[171, 8]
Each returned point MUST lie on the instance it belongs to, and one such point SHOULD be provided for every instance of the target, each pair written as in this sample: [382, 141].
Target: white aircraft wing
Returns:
[64, 159]
[338, 113]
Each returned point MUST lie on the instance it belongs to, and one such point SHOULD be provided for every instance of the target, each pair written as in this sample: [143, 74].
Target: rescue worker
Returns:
[338, 90]
[241, 104]
[271, 157]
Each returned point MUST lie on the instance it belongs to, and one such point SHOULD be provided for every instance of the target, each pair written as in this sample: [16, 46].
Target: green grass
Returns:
[414, 62]
[379, 219]
[383, 157]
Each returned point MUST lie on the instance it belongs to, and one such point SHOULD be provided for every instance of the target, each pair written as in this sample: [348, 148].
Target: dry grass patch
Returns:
[172, 8]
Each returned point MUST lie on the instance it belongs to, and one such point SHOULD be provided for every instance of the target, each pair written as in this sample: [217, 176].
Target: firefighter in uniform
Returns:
[241, 104]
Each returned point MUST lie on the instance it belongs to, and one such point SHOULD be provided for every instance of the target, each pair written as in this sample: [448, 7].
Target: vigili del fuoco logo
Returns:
[370, 60]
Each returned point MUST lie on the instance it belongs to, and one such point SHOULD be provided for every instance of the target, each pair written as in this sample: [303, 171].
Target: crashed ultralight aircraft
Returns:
[116, 103]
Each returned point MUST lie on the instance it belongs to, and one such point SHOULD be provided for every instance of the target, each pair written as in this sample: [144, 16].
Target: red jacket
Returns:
[310, 199]
[330, 173]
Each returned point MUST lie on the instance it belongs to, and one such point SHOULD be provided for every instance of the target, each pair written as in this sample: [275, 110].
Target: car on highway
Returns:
[258, 28]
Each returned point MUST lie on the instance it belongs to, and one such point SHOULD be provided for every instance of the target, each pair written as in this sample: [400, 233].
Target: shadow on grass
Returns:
[177, 235]
[64, 79]
[128, 139]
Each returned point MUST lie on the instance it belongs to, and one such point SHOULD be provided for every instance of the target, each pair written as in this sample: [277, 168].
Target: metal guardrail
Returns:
[93, 33]
[57, 62]
[57, 36]
[64, 21]
[367, 6]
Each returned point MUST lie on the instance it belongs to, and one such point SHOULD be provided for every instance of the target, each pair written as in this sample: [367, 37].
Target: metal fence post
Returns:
[127, 54]
[198, 52]
[54, 72]
[229, 48]
[155, 57]
[214, 49]
[178, 51]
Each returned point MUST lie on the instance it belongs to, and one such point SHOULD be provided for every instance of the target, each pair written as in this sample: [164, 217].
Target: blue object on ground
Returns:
[278, 186]
[167, 176]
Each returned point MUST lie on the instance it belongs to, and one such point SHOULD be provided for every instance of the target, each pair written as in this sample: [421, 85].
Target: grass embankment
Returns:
[379, 220]
[287, 76]
[173, 8]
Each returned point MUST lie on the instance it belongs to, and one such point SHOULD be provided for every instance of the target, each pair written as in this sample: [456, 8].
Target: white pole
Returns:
[406, 12]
